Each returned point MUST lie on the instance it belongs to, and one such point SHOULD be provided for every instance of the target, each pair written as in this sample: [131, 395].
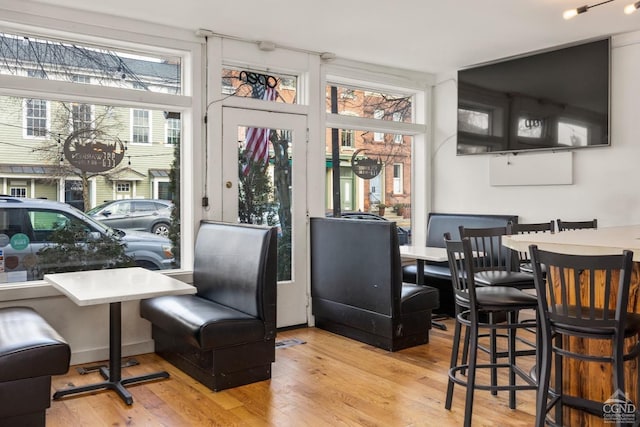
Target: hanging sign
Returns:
[94, 156]
[365, 167]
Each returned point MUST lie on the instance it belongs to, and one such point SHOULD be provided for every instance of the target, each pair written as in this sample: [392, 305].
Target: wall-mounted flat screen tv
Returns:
[551, 100]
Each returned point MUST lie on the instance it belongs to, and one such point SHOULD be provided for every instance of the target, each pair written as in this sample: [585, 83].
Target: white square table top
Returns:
[116, 285]
[427, 253]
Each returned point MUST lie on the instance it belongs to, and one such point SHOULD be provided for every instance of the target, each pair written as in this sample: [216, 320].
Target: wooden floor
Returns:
[327, 381]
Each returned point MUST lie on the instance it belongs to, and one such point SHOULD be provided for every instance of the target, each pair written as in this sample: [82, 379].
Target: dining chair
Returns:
[472, 302]
[529, 228]
[576, 225]
[600, 313]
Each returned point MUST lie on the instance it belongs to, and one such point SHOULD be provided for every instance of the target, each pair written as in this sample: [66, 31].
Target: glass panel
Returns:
[264, 181]
[572, 134]
[374, 178]
[371, 104]
[65, 165]
[257, 84]
[473, 121]
[101, 66]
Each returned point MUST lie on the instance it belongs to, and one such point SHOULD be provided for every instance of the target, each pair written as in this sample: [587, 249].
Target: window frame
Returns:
[150, 39]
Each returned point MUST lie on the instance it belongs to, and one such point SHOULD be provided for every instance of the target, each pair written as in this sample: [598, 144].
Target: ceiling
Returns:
[423, 35]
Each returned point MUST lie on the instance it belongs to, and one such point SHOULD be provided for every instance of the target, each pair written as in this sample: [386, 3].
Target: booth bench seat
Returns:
[224, 335]
[31, 351]
[437, 274]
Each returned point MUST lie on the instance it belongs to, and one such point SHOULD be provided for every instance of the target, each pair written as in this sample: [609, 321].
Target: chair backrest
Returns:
[462, 272]
[356, 263]
[585, 292]
[530, 228]
[236, 265]
[491, 253]
[576, 225]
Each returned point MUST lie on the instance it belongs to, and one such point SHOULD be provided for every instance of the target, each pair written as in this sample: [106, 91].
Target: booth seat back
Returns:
[233, 263]
[357, 289]
[356, 263]
[440, 223]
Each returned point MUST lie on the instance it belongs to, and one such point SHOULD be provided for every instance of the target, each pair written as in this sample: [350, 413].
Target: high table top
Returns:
[427, 253]
[601, 241]
[115, 285]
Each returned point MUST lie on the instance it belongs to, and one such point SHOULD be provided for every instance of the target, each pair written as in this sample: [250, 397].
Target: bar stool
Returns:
[602, 282]
[471, 302]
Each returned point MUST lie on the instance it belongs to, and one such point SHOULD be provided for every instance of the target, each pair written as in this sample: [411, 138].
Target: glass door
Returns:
[264, 157]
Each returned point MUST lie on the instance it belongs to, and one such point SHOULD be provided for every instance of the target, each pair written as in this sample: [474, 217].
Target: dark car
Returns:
[404, 234]
[149, 215]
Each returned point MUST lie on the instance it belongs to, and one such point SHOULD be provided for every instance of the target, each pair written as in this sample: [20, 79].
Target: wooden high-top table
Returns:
[589, 379]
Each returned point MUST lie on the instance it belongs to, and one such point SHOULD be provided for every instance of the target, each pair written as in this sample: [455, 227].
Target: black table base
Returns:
[113, 375]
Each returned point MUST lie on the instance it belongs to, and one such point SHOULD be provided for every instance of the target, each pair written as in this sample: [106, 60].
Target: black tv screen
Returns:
[556, 99]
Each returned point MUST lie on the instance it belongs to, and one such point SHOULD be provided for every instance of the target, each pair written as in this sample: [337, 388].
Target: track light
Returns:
[570, 13]
[630, 8]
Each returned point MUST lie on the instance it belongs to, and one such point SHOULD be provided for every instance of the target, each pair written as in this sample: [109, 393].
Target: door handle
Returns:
[228, 184]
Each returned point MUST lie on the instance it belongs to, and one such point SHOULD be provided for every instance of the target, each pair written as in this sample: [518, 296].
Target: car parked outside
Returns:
[404, 234]
[149, 215]
[27, 227]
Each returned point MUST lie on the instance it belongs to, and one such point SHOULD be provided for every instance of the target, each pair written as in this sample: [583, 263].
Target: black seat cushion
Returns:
[518, 279]
[418, 298]
[497, 297]
[29, 346]
[203, 323]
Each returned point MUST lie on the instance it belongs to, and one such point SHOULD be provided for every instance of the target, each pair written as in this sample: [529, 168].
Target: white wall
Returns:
[606, 181]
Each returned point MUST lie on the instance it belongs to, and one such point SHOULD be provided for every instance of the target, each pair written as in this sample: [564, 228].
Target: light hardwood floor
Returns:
[328, 381]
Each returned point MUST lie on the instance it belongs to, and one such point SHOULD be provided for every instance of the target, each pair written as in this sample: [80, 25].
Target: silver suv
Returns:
[153, 216]
[26, 227]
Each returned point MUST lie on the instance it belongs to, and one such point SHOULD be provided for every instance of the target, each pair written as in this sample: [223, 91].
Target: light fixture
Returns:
[630, 8]
[570, 13]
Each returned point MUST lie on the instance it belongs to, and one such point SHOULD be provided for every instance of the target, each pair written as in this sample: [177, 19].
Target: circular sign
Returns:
[4, 240]
[365, 167]
[94, 156]
[19, 241]
[30, 260]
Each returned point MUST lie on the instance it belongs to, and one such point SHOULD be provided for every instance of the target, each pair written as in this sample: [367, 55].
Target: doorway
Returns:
[264, 181]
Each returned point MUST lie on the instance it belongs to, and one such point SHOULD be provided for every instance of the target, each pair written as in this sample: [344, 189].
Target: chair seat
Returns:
[517, 279]
[500, 297]
[631, 327]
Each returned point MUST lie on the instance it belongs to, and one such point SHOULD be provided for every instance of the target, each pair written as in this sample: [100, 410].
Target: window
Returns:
[102, 87]
[100, 65]
[123, 187]
[378, 136]
[82, 120]
[173, 131]
[18, 191]
[140, 126]
[397, 178]
[346, 138]
[251, 84]
[36, 114]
